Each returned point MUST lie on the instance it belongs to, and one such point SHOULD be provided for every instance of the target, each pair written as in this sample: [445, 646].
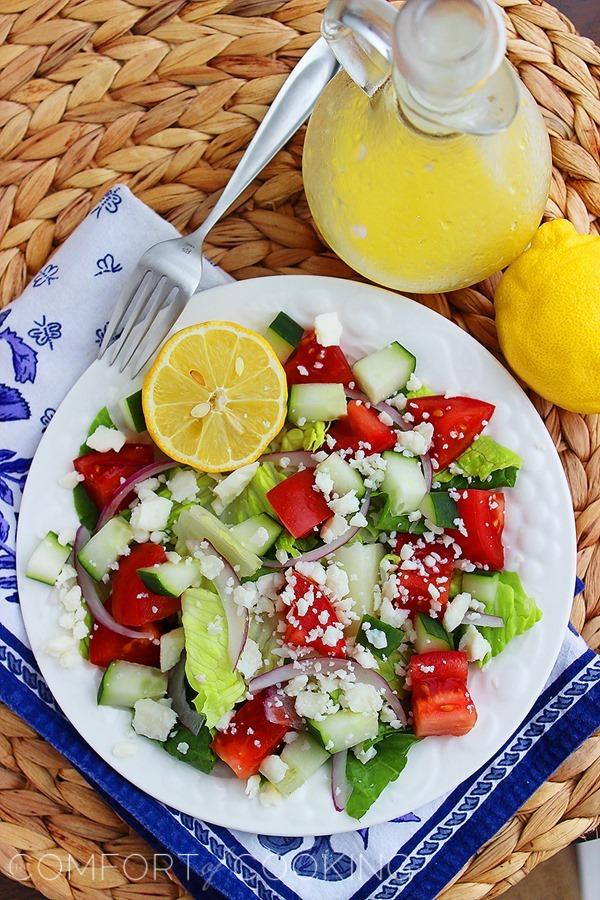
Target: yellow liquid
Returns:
[418, 212]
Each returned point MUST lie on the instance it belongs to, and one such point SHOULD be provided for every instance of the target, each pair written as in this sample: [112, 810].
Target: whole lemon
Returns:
[548, 316]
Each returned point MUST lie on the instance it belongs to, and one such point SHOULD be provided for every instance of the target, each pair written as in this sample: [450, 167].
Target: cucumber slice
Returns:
[198, 524]
[171, 579]
[344, 477]
[361, 564]
[345, 729]
[483, 587]
[303, 757]
[257, 534]
[440, 508]
[456, 583]
[171, 648]
[431, 635]
[132, 412]
[403, 482]
[316, 403]
[124, 683]
[385, 372]
[47, 559]
[284, 335]
[103, 550]
[393, 636]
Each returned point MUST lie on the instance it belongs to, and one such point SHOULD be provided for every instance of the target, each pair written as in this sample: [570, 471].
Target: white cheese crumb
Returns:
[328, 329]
[362, 698]
[70, 480]
[414, 383]
[250, 660]
[152, 514]
[333, 528]
[153, 719]
[183, 485]
[362, 755]
[252, 786]
[104, 439]
[474, 644]
[273, 768]
[232, 486]
[456, 611]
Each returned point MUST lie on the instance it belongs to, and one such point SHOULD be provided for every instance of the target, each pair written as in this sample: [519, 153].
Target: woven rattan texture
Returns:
[164, 97]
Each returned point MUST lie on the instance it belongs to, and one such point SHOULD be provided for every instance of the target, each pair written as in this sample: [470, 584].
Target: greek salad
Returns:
[320, 606]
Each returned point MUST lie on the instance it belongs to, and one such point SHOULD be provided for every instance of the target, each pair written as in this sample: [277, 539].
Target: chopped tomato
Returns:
[442, 706]
[106, 645]
[132, 602]
[297, 504]
[311, 362]
[309, 617]
[456, 423]
[249, 737]
[424, 578]
[362, 429]
[438, 664]
[480, 533]
[103, 473]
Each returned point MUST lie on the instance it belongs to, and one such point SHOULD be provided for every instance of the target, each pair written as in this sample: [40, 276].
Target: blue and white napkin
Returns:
[47, 339]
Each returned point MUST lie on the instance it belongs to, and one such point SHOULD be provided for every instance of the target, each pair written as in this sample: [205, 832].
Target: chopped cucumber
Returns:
[132, 412]
[124, 683]
[440, 508]
[403, 482]
[47, 559]
[431, 635]
[171, 648]
[456, 583]
[171, 579]
[393, 637]
[385, 372]
[345, 729]
[198, 524]
[344, 477]
[361, 564]
[483, 587]
[257, 534]
[103, 550]
[284, 335]
[303, 757]
[316, 403]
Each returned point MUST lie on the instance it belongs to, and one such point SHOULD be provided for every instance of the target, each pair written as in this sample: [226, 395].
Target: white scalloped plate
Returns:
[539, 536]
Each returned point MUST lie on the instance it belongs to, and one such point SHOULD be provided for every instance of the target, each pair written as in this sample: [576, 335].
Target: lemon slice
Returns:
[215, 397]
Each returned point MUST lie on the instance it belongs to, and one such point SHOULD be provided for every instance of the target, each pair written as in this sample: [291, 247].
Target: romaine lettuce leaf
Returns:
[485, 463]
[208, 667]
[253, 499]
[306, 437]
[368, 780]
[295, 546]
[423, 391]
[197, 752]
[519, 611]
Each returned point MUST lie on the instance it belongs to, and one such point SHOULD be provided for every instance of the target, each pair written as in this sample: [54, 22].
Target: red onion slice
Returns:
[280, 709]
[391, 411]
[323, 549]
[295, 457]
[147, 472]
[481, 620]
[340, 787]
[90, 594]
[323, 665]
[427, 470]
[186, 713]
[238, 619]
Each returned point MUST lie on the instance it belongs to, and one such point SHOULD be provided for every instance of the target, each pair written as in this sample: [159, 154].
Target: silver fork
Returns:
[170, 272]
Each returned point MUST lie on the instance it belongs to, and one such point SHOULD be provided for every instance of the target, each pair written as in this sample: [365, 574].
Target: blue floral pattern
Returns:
[107, 265]
[7, 563]
[13, 406]
[24, 357]
[109, 203]
[46, 275]
[100, 332]
[45, 332]
[46, 417]
[323, 862]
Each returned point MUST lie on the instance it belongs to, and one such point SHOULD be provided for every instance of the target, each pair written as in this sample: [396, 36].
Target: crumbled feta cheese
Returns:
[361, 698]
[245, 595]
[412, 442]
[302, 370]
[70, 480]
[333, 528]
[146, 488]
[260, 537]
[273, 768]
[358, 520]
[414, 383]
[390, 615]
[183, 485]
[232, 486]
[250, 660]
[363, 656]
[104, 439]
[323, 482]
[296, 685]
[332, 635]
[474, 644]
[312, 704]
[153, 719]
[328, 329]
[183, 747]
[151, 514]
[252, 787]
[210, 565]
[456, 611]
[398, 402]
[337, 581]
[363, 755]
[345, 505]
[377, 638]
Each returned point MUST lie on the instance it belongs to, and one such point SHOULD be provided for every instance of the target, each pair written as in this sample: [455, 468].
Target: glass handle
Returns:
[359, 33]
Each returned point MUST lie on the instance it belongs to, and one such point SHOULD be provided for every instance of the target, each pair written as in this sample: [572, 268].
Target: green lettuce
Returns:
[306, 437]
[368, 780]
[423, 391]
[384, 520]
[295, 546]
[198, 753]
[485, 464]
[253, 499]
[387, 669]
[208, 667]
[512, 603]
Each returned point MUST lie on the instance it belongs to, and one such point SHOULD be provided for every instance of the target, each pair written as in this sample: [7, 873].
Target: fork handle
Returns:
[290, 109]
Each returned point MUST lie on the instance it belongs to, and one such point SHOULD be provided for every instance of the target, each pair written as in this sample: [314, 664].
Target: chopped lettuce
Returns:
[253, 499]
[485, 464]
[193, 749]
[387, 669]
[295, 546]
[87, 511]
[519, 611]
[208, 667]
[423, 391]
[308, 437]
[368, 780]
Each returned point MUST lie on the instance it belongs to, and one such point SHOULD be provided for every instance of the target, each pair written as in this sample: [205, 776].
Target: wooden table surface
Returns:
[585, 14]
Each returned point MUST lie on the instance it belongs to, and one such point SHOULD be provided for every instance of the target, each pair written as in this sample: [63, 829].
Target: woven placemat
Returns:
[164, 97]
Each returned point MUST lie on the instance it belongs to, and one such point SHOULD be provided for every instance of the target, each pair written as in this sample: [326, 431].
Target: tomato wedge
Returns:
[441, 703]
[438, 664]
[297, 504]
[311, 362]
[424, 585]
[480, 536]
[249, 737]
[132, 602]
[312, 620]
[103, 473]
[106, 645]
[456, 422]
[362, 429]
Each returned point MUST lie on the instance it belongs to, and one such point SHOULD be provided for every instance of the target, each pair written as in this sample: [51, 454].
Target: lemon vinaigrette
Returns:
[426, 163]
